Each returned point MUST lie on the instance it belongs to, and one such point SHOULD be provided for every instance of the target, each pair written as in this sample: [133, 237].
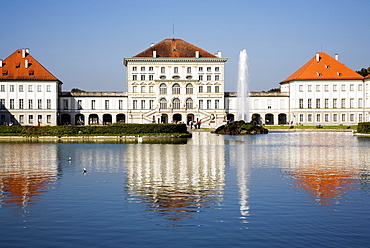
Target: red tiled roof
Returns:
[175, 48]
[22, 66]
[326, 68]
[368, 76]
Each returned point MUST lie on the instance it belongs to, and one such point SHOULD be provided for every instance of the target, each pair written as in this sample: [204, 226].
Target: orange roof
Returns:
[175, 48]
[22, 66]
[368, 76]
[323, 67]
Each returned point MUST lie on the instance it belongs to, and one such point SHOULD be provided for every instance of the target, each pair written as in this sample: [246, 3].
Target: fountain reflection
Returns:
[26, 172]
[177, 180]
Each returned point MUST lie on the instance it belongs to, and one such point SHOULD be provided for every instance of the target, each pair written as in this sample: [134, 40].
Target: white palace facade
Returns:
[175, 81]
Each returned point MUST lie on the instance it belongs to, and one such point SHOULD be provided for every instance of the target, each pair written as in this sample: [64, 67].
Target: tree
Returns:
[77, 90]
[364, 72]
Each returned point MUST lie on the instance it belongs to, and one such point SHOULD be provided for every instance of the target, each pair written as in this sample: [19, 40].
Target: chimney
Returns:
[152, 44]
[23, 53]
[219, 54]
[317, 57]
[26, 63]
[336, 57]
[1, 63]
[197, 54]
[154, 54]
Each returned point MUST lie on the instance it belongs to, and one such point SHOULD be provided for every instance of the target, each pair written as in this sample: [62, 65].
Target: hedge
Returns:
[114, 129]
[363, 127]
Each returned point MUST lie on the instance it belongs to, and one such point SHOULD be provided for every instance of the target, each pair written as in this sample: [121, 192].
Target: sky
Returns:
[83, 43]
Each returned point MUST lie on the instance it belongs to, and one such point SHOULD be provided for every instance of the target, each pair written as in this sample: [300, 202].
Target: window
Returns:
[300, 103]
[188, 70]
[208, 104]
[120, 104]
[163, 70]
[142, 77]
[2, 87]
[326, 87]
[335, 117]
[208, 68]
[176, 103]
[134, 68]
[20, 88]
[142, 89]
[30, 103]
[21, 119]
[151, 104]
[162, 89]
[134, 104]
[176, 89]
[326, 117]
[318, 88]
[200, 89]
[175, 70]
[360, 117]
[282, 103]
[200, 68]
[38, 88]
[309, 117]
[217, 77]
[309, 88]
[209, 89]
[30, 88]
[301, 88]
[309, 103]
[200, 77]
[48, 88]
[360, 87]
[30, 119]
[335, 103]
[360, 102]
[39, 119]
[151, 89]
[189, 103]
[106, 104]
[209, 78]
[189, 89]
[134, 77]
[92, 104]
[48, 118]
[65, 104]
[217, 68]
[343, 103]
[300, 117]
[201, 104]
[134, 89]
[351, 103]
[11, 88]
[163, 103]
[142, 104]
[217, 104]
[351, 87]
[343, 117]
[142, 68]
[21, 104]
[217, 89]
[2, 104]
[151, 68]
[351, 117]
[39, 104]
[343, 87]
[326, 103]
[318, 117]
[256, 105]
[317, 103]
[334, 87]
[79, 104]
[151, 77]
[11, 103]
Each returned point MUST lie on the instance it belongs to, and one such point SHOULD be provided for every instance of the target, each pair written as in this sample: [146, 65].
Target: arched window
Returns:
[176, 103]
[163, 103]
[189, 103]
[189, 89]
[188, 70]
[163, 89]
[175, 70]
[176, 89]
[163, 70]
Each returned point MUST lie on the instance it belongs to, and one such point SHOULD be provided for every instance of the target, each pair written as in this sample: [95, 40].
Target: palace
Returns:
[175, 81]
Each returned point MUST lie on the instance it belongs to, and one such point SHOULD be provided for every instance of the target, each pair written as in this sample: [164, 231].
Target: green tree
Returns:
[77, 90]
[364, 72]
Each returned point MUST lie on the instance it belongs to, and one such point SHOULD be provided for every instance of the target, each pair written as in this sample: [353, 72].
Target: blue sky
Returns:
[83, 43]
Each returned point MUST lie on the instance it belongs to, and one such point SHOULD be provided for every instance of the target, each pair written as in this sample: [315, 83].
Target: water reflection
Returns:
[26, 172]
[177, 180]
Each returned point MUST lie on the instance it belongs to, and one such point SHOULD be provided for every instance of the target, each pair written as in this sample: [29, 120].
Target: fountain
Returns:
[242, 112]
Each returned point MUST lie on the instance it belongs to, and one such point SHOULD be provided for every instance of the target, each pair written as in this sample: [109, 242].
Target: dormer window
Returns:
[31, 73]
[339, 74]
[17, 65]
[327, 66]
[5, 73]
[319, 74]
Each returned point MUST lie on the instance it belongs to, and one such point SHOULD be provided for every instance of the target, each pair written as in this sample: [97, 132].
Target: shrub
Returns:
[363, 127]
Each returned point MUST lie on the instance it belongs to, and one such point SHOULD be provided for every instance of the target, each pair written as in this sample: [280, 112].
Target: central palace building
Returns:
[175, 81]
